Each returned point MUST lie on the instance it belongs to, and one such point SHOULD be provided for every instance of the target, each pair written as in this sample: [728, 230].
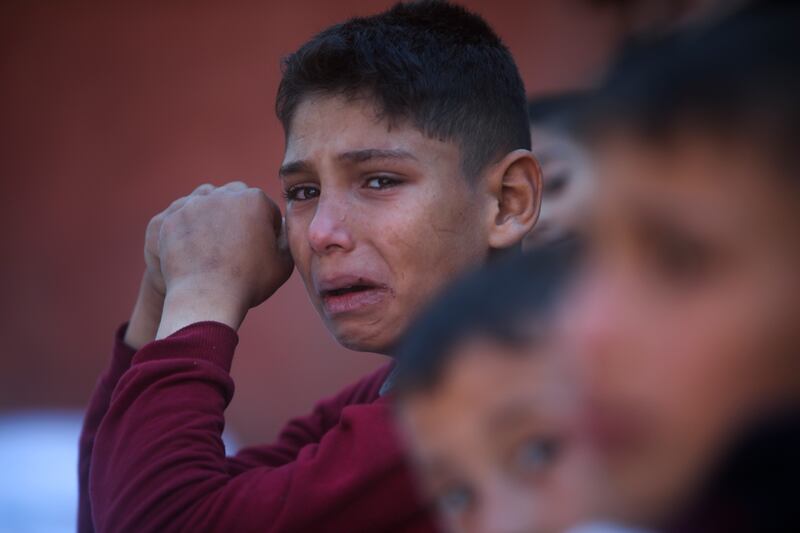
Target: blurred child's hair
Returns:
[739, 78]
[507, 301]
[556, 110]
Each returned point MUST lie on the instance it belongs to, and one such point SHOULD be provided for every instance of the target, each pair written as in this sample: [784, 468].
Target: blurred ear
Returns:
[515, 192]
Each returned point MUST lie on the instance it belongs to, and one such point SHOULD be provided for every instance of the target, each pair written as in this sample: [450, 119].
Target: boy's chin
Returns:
[362, 345]
[364, 339]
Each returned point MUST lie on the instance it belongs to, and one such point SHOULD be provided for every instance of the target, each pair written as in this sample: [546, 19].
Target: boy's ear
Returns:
[515, 192]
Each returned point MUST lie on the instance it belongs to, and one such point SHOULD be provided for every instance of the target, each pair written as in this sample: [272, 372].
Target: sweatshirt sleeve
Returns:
[158, 462]
[309, 429]
[98, 405]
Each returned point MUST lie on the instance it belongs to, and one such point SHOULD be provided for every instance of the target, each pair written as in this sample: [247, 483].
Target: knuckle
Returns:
[155, 222]
[193, 200]
[262, 197]
[234, 186]
[174, 206]
[255, 196]
[204, 188]
[167, 225]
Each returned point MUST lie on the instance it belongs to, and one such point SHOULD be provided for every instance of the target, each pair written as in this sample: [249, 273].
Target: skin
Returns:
[493, 442]
[567, 186]
[683, 325]
[368, 203]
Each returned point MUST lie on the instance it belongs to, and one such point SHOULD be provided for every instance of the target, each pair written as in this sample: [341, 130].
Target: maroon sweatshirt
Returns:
[152, 458]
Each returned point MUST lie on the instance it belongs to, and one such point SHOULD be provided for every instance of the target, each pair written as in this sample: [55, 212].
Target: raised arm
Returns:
[204, 221]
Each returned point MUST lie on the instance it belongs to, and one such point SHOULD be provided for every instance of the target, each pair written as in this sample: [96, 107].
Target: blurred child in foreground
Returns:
[684, 322]
[678, 409]
[485, 405]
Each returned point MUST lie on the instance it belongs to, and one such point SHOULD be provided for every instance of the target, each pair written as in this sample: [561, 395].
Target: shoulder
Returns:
[367, 389]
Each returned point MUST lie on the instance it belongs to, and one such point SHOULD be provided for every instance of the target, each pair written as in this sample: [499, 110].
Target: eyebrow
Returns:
[360, 156]
[294, 167]
[354, 156]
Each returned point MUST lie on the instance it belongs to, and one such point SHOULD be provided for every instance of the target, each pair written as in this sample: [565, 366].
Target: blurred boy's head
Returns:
[649, 19]
[685, 320]
[567, 186]
[484, 405]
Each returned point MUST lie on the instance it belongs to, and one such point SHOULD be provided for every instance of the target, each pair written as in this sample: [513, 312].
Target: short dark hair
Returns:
[738, 78]
[430, 62]
[501, 302]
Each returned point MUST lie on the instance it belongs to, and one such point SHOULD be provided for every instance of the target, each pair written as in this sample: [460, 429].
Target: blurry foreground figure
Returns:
[486, 407]
[684, 322]
[648, 19]
[754, 486]
[566, 176]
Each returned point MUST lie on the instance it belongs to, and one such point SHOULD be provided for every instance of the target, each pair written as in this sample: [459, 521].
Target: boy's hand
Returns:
[146, 316]
[215, 254]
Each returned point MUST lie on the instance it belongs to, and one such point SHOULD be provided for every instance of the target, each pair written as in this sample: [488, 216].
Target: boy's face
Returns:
[493, 442]
[378, 217]
[567, 186]
[685, 320]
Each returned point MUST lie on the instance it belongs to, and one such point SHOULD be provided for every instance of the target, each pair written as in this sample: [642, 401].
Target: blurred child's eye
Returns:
[301, 192]
[555, 184]
[675, 254]
[680, 260]
[536, 454]
[455, 500]
[382, 182]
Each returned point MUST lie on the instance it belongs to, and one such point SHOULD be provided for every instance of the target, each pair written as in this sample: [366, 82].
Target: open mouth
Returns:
[349, 298]
[347, 290]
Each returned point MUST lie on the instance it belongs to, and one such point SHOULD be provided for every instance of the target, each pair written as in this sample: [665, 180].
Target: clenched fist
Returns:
[213, 255]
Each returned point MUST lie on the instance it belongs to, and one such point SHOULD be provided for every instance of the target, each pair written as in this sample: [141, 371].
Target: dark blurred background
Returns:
[109, 110]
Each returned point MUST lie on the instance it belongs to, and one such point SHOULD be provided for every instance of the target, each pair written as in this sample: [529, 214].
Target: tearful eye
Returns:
[301, 192]
[382, 182]
[536, 454]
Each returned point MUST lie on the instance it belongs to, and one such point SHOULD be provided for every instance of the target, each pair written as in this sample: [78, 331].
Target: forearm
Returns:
[201, 300]
[146, 315]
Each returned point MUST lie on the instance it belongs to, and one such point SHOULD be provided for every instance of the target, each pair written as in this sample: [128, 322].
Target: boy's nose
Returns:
[591, 324]
[329, 230]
